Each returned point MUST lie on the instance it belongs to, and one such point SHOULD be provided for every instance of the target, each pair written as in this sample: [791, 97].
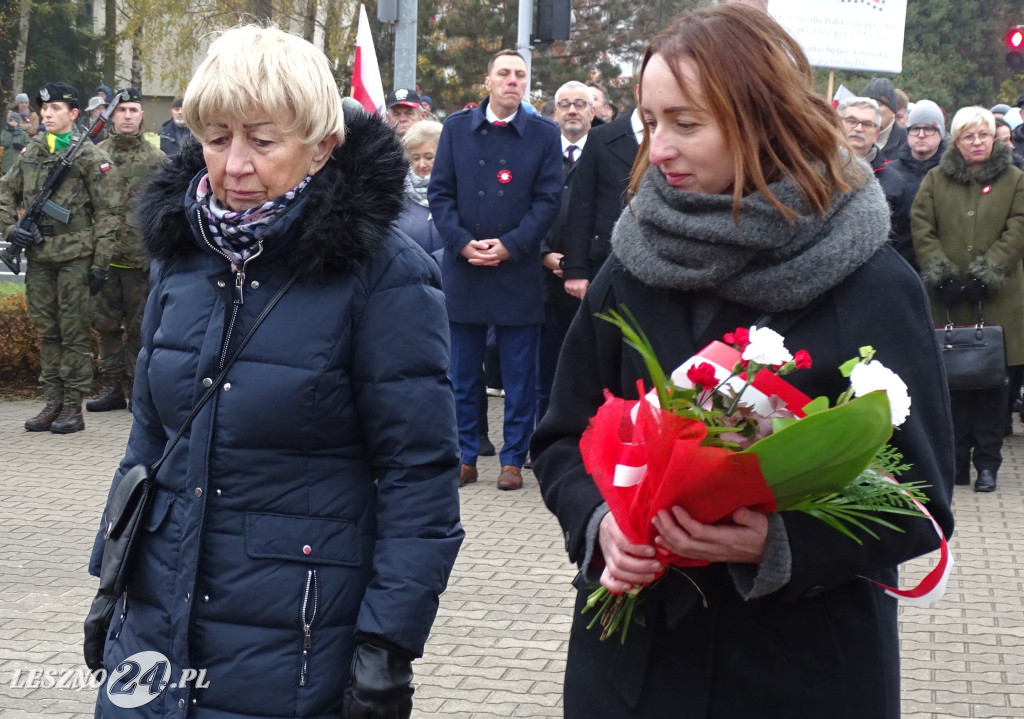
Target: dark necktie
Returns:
[571, 154]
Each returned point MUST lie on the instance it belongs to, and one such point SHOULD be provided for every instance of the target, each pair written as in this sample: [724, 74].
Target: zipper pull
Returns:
[307, 640]
[239, 283]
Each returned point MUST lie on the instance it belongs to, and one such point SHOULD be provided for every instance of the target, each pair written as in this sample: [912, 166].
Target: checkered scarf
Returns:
[237, 233]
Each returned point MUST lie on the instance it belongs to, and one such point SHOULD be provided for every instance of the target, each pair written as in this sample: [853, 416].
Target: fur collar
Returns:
[347, 212]
[955, 167]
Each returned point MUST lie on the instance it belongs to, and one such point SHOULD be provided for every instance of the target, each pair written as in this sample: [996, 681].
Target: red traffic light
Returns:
[1015, 38]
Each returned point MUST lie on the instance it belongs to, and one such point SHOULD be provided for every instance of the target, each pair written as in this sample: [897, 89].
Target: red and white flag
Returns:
[366, 85]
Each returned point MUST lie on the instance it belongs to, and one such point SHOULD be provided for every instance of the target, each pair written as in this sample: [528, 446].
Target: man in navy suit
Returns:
[598, 194]
[494, 192]
[574, 112]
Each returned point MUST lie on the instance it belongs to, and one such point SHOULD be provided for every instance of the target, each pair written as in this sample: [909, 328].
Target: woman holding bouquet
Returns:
[747, 208]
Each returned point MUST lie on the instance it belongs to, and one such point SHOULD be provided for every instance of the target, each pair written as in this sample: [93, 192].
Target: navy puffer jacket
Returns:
[314, 501]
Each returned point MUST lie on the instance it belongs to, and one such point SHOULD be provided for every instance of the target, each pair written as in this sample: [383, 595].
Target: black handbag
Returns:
[974, 355]
[125, 510]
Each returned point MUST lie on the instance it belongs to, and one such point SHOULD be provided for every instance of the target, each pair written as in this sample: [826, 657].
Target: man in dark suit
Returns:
[494, 192]
[597, 197]
[574, 112]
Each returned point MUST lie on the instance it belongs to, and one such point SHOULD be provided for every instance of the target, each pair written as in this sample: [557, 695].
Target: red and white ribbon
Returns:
[930, 589]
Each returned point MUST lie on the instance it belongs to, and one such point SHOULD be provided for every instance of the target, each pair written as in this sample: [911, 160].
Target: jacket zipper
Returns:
[239, 284]
[310, 599]
[124, 615]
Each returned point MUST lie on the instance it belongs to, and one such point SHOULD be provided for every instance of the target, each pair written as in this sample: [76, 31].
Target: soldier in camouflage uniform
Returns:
[123, 297]
[66, 261]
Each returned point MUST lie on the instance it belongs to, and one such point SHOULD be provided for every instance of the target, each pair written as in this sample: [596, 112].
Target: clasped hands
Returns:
[739, 539]
[485, 253]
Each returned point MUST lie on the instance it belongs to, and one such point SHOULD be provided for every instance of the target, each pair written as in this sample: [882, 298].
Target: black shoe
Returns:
[42, 421]
[111, 396]
[70, 420]
[986, 481]
[486, 448]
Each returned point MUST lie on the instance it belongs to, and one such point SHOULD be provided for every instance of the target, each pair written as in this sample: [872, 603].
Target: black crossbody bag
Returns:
[123, 515]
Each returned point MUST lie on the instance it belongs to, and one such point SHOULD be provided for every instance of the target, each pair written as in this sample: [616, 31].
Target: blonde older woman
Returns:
[303, 529]
[967, 223]
[420, 144]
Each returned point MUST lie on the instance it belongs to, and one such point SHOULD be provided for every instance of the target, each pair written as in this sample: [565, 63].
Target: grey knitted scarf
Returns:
[685, 241]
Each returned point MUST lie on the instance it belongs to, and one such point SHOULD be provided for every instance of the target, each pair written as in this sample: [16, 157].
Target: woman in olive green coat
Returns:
[967, 223]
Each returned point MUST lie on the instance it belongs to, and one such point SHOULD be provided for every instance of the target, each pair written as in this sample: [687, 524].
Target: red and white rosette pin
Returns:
[505, 176]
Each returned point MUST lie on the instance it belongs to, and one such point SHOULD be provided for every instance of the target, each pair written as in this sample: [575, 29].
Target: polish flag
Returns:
[366, 85]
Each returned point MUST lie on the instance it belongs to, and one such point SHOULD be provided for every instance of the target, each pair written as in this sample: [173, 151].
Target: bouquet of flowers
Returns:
[724, 431]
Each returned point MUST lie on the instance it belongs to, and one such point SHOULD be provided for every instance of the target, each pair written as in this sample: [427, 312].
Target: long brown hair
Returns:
[758, 86]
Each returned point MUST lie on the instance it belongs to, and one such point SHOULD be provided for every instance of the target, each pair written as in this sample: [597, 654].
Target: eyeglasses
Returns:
[926, 130]
[980, 137]
[852, 122]
[578, 104]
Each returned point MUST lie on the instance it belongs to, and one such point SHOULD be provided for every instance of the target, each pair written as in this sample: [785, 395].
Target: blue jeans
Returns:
[517, 349]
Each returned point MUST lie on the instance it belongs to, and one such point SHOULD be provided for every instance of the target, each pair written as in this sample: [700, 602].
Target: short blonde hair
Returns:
[967, 117]
[253, 68]
[423, 131]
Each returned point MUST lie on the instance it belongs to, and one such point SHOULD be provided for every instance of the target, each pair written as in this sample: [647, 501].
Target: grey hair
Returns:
[574, 85]
[860, 102]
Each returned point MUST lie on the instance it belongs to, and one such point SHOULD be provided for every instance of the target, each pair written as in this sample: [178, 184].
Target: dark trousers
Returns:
[517, 347]
[979, 423]
[557, 318]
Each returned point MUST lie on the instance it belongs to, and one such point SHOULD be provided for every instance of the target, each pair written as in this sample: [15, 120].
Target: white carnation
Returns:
[766, 348]
[875, 376]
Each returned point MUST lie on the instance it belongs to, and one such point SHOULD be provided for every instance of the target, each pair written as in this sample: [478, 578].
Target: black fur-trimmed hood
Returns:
[347, 212]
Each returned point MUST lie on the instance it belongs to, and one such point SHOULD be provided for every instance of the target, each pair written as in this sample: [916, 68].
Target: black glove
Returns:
[975, 290]
[97, 278]
[950, 290]
[24, 238]
[380, 685]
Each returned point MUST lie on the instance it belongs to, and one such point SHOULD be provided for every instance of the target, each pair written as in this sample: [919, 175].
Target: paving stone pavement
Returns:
[498, 646]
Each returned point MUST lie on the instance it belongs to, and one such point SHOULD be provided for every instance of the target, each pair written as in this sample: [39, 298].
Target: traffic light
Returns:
[1015, 49]
[554, 18]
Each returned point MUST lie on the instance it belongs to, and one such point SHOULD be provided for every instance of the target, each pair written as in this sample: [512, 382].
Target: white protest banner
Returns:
[864, 35]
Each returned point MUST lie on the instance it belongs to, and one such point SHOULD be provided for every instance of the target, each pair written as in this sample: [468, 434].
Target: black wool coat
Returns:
[825, 644]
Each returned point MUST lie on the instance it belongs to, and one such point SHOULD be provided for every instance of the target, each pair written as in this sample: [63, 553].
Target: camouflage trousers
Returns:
[119, 305]
[57, 294]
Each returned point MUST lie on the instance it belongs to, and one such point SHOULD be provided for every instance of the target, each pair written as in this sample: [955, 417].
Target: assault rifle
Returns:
[42, 204]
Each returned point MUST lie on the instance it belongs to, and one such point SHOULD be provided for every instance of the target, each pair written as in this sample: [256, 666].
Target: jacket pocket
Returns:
[310, 603]
[161, 505]
[310, 540]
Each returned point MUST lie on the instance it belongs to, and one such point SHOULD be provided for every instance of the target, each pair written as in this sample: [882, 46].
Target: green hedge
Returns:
[19, 351]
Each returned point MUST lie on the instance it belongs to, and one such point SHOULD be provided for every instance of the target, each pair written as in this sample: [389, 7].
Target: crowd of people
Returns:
[390, 269]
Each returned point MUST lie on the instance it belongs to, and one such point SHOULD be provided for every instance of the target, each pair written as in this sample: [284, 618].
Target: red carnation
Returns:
[702, 375]
[740, 338]
[802, 359]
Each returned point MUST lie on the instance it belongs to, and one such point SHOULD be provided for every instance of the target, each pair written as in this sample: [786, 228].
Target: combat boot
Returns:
[70, 420]
[111, 395]
[42, 421]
